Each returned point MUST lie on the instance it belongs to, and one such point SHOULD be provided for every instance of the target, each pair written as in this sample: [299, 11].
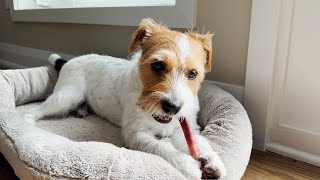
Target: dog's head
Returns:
[172, 67]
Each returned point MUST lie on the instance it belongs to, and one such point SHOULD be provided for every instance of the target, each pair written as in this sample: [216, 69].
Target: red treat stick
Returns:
[191, 141]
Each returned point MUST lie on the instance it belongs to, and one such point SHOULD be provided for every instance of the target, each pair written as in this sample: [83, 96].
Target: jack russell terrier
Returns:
[145, 96]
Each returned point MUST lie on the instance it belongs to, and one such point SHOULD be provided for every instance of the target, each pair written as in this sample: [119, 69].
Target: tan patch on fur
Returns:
[160, 46]
[206, 42]
[196, 61]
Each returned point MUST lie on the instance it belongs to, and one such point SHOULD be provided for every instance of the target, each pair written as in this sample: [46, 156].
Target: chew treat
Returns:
[191, 141]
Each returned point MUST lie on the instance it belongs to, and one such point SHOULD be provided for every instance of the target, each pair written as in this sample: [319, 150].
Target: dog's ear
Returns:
[206, 42]
[146, 29]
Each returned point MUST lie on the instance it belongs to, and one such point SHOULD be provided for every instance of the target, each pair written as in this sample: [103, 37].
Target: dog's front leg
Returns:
[144, 141]
[213, 165]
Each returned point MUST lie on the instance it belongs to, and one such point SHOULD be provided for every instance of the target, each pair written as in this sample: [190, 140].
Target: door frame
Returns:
[260, 62]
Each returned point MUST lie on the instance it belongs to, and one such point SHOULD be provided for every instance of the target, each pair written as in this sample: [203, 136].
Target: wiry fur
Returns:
[129, 93]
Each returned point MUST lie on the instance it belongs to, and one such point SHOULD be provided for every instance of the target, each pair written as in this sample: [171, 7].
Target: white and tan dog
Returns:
[144, 96]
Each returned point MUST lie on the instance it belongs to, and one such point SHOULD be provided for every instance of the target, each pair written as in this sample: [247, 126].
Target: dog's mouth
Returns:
[164, 119]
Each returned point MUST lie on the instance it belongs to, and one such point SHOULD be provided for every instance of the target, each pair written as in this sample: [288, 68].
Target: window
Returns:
[176, 13]
[58, 4]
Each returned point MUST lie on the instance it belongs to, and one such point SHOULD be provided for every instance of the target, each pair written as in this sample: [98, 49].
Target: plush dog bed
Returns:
[91, 148]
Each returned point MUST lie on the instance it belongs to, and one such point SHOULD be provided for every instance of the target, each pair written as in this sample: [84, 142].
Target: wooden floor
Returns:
[262, 166]
[267, 165]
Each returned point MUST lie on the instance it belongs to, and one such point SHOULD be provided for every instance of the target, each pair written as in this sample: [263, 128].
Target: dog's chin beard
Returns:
[164, 119]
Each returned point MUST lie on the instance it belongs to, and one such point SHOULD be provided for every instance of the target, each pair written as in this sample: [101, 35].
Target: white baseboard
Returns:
[17, 57]
[294, 153]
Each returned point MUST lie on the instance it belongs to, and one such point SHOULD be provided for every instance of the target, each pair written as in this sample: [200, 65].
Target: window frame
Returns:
[182, 15]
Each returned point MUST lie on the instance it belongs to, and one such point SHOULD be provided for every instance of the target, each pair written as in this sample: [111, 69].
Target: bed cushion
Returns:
[91, 147]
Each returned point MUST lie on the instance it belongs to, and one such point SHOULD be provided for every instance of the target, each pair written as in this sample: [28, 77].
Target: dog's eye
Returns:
[192, 74]
[158, 66]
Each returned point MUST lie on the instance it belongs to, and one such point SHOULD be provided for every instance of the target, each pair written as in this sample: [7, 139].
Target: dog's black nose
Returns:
[169, 107]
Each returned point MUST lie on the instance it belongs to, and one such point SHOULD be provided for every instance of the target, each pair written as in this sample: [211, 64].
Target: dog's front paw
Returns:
[213, 166]
[187, 165]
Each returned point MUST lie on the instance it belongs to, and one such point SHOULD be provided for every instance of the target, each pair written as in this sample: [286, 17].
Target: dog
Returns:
[144, 96]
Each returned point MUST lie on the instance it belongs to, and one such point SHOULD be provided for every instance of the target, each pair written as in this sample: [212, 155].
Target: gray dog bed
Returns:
[91, 148]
